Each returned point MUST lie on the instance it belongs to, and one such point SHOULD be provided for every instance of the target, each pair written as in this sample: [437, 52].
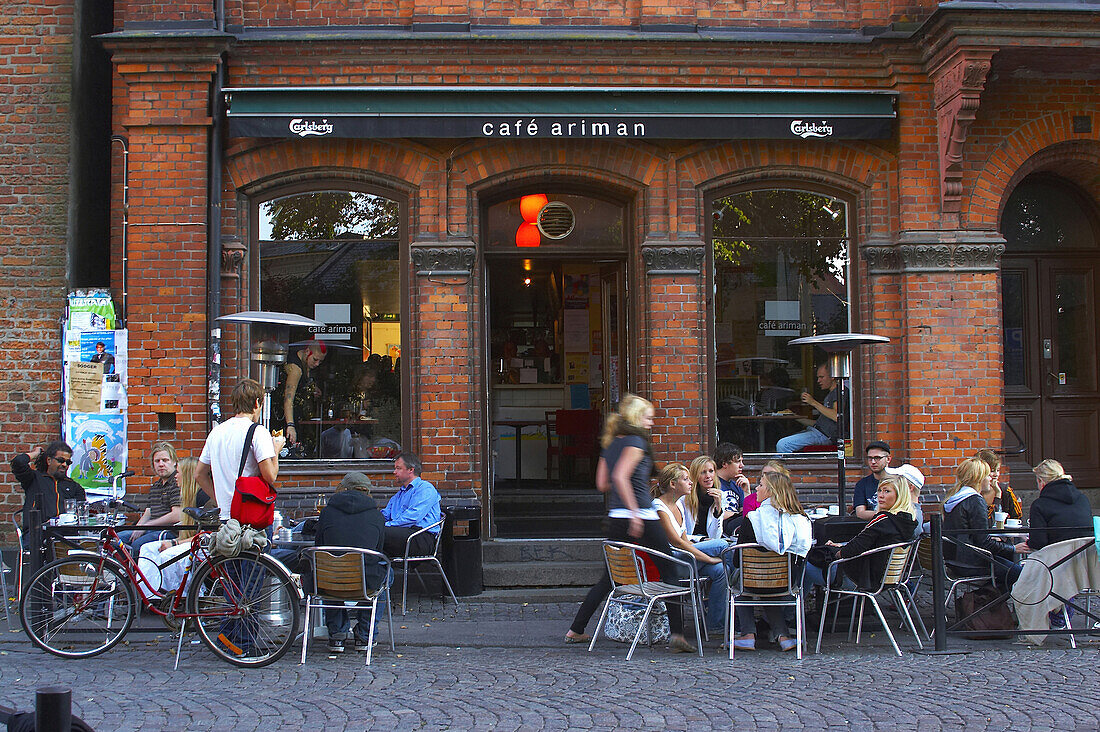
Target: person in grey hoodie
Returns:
[966, 522]
[351, 518]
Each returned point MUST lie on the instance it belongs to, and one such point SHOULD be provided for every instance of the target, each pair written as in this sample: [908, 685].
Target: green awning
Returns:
[559, 112]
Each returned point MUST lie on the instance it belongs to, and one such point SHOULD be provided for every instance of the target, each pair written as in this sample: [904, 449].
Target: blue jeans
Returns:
[338, 621]
[718, 597]
[151, 534]
[806, 438]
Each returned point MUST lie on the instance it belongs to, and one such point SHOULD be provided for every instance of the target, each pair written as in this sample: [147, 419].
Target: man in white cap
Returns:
[916, 484]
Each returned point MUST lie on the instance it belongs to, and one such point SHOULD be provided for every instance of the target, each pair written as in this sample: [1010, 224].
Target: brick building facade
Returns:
[985, 97]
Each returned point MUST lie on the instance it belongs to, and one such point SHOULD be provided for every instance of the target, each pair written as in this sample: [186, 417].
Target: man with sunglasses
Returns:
[865, 493]
[44, 475]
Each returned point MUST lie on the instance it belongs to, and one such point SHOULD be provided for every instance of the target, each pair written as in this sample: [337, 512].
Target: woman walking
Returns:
[624, 470]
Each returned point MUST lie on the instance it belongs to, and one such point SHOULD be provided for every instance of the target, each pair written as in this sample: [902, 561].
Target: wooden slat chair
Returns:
[631, 586]
[338, 574]
[896, 572]
[78, 580]
[765, 579]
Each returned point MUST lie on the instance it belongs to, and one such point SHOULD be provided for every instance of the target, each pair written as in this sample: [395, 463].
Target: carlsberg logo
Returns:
[305, 127]
[811, 129]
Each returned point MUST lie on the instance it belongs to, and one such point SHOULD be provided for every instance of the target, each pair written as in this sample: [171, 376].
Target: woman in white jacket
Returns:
[780, 525]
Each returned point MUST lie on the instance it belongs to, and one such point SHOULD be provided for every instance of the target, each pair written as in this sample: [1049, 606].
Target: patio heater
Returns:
[839, 346]
[270, 334]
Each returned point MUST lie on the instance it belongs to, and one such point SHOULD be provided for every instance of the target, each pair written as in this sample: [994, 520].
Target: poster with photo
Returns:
[107, 348]
[99, 449]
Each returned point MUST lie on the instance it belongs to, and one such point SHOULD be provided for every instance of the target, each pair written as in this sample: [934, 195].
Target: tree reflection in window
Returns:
[335, 255]
[780, 272]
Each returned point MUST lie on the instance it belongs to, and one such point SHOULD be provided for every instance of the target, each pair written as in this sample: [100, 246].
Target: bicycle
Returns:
[246, 608]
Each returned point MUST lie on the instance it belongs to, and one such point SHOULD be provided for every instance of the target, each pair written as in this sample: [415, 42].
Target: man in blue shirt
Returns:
[414, 507]
[865, 494]
[733, 484]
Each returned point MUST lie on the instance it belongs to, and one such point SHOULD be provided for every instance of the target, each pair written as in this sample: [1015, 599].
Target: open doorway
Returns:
[555, 342]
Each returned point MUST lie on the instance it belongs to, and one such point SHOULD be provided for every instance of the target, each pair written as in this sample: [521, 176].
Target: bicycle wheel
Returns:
[247, 608]
[78, 606]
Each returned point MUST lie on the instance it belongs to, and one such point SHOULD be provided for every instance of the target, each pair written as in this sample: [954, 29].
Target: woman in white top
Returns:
[674, 484]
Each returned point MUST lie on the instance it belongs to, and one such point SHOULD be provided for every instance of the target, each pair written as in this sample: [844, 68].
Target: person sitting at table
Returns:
[865, 492]
[671, 491]
[704, 503]
[1060, 505]
[163, 505]
[752, 500]
[780, 525]
[893, 523]
[915, 478]
[733, 484]
[46, 485]
[351, 518]
[823, 431]
[1004, 497]
[966, 522]
[153, 554]
[298, 367]
[415, 506]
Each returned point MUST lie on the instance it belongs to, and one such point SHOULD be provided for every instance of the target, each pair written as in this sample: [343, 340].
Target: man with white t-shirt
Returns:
[221, 455]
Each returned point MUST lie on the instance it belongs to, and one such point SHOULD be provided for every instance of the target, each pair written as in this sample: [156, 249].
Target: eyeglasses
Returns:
[62, 461]
[877, 457]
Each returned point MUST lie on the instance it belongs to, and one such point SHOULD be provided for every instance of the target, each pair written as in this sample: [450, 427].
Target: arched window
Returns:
[334, 255]
[780, 272]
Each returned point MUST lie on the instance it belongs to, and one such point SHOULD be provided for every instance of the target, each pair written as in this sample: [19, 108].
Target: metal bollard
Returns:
[53, 709]
[939, 599]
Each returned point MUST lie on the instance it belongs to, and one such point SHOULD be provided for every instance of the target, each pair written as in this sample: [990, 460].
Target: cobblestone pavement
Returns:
[504, 667]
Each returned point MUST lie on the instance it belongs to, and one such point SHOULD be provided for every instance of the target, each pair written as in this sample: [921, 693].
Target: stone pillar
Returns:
[675, 329]
[938, 301]
[167, 124]
[443, 361]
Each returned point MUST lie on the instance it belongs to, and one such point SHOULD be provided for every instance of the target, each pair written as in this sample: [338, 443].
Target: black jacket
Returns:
[883, 529]
[42, 491]
[971, 516]
[1059, 504]
[352, 518]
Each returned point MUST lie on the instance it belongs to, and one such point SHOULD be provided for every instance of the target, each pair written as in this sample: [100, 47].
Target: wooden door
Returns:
[1051, 356]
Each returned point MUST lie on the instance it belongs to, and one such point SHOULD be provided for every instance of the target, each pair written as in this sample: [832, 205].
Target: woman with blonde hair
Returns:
[624, 470]
[704, 499]
[154, 558]
[893, 523]
[966, 525]
[779, 524]
[671, 491]
[1003, 495]
[752, 501]
[1060, 505]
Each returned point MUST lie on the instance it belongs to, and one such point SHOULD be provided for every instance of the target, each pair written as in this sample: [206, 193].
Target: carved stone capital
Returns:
[444, 259]
[674, 258]
[957, 89]
[935, 251]
[233, 253]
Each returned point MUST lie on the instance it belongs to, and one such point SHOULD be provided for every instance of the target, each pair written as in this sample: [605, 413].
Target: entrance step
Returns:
[545, 563]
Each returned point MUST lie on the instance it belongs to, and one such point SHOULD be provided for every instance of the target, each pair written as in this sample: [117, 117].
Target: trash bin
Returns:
[462, 548]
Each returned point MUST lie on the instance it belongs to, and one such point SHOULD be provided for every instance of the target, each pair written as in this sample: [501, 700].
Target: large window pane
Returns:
[334, 256]
[780, 272]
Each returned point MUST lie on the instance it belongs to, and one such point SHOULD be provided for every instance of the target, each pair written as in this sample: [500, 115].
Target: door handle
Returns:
[1059, 378]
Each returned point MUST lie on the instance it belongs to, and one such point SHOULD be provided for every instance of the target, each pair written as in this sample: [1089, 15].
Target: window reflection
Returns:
[334, 256]
[780, 272]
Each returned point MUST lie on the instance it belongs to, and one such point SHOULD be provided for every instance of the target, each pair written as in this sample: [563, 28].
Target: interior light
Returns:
[527, 266]
[526, 281]
[529, 207]
[528, 235]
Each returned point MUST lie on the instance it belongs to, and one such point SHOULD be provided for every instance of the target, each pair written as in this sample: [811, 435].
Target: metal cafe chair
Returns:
[413, 562]
[766, 579]
[894, 574]
[338, 575]
[630, 585]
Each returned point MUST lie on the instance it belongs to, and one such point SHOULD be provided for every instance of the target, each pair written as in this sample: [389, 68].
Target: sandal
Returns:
[580, 638]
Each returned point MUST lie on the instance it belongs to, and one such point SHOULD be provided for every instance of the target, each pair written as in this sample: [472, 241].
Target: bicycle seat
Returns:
[208, 517]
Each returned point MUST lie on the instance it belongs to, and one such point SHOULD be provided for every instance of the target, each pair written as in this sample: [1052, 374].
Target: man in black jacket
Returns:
[351, 518]
[44, 476]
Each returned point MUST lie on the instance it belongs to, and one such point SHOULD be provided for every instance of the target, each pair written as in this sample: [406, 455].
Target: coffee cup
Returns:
[834, 510]
[1013, 523]
[999, 518]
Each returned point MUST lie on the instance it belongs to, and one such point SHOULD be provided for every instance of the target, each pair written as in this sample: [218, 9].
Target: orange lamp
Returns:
[527, 235]
[529, 207]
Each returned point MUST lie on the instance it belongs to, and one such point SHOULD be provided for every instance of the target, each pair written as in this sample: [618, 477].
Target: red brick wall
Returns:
[35, 58]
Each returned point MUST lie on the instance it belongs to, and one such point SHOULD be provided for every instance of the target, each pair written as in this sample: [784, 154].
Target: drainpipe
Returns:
[214, 234]
[125, 218]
